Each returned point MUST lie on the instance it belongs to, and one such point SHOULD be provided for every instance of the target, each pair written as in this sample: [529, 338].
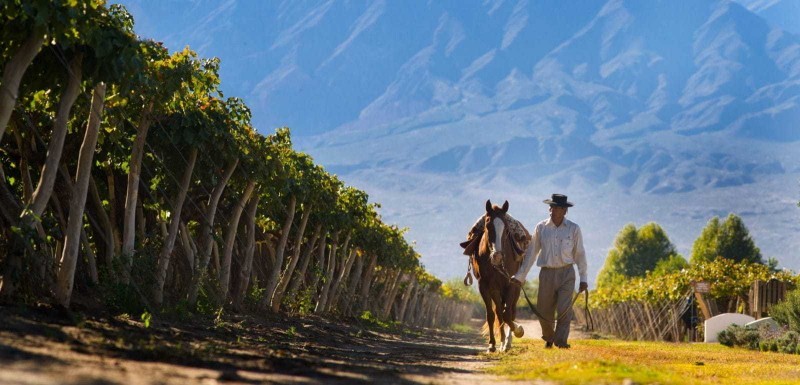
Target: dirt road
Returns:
[43, 346]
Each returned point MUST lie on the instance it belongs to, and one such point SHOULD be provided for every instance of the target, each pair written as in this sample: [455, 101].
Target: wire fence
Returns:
[639, 321]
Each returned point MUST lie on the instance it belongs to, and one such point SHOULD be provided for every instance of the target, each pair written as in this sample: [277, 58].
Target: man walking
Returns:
[557, 244]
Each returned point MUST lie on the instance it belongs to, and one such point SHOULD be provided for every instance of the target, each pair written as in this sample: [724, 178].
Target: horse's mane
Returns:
[483, 244]
[483, 247]
[478, 242]
[515, 241]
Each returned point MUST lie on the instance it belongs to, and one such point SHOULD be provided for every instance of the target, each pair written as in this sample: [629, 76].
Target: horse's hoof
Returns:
[519, 331]
[491, 349]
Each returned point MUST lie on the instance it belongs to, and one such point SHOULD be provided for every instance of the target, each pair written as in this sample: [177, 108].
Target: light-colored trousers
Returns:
[556, 288]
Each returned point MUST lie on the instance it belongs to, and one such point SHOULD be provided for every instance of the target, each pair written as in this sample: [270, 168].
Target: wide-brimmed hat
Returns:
[558, 200]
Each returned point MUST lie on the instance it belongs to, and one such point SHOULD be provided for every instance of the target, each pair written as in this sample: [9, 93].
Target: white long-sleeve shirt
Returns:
[554, 247]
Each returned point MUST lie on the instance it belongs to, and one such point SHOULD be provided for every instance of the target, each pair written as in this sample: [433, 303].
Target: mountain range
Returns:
[668, 111]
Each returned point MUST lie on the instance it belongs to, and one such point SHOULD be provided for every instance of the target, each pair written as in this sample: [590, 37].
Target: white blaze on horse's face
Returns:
[499, 226]
[497, 245]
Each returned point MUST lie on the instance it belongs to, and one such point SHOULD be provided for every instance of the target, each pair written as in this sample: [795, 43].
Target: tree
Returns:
[635, 252]
[313, 179]
[672, 264]
[729, 239]
[26, 27]
[166, 77]
[156, 165]
[109, 48]
[100, 46]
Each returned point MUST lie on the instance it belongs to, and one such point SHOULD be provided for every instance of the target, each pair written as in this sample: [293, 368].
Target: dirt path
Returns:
[43, 346]
[471, 369]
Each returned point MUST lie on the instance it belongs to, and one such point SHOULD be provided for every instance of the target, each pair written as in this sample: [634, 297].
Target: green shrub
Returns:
[788, 312]
[207, 295]
[773, 346]
[303, 302]
[727, 337]
[131, 297]
[369, 319]
[740, 336]
[255, 294]
[787, 343]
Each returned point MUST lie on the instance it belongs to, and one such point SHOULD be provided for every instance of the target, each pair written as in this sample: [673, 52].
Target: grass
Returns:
[613, 361]
[462, 328]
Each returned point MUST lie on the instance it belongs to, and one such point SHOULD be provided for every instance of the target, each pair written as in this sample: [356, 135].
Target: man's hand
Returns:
[583, 287]
[516, 282]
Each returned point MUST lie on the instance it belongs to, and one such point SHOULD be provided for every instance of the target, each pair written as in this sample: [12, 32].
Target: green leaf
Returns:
[146, 318]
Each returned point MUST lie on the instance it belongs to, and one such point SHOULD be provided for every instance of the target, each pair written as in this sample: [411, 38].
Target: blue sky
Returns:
[671, 111]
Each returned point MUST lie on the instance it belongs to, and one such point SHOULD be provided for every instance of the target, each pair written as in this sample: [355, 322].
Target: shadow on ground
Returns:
[46, 345]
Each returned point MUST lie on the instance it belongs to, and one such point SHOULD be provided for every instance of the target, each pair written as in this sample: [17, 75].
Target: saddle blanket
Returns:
[515, 228]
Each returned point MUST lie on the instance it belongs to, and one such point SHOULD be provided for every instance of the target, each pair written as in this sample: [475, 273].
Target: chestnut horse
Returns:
[494, 257]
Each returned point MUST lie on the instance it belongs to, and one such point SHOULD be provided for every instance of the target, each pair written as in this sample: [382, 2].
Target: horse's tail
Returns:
[497, 322]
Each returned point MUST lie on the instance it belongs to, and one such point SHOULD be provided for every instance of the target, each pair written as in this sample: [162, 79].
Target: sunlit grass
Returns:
[612, 361]
[462, 328]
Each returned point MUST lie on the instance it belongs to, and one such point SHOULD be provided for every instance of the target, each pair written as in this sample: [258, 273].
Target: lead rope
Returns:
[502, 270]
[534, 309]
[589, 320]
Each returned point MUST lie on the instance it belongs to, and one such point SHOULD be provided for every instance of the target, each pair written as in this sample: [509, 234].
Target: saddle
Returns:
[518, 236]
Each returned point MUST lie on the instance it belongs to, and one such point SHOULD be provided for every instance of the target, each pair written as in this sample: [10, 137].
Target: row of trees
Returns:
[643, 265]
[126, 170]
[644, 289]
[648, 249]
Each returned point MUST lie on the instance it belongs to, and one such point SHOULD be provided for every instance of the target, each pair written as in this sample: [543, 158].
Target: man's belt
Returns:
[556, 268]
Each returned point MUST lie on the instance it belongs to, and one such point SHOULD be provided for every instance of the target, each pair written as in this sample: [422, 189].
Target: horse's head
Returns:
[495, 226]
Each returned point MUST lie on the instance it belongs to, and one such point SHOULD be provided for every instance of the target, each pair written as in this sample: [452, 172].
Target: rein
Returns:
[502, 270]
[590, 324]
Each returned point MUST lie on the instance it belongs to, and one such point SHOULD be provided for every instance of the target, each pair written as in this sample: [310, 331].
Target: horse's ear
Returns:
[488, 205]
[505, 207]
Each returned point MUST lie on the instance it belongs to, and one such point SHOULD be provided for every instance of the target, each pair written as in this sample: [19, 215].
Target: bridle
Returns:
[506, 234]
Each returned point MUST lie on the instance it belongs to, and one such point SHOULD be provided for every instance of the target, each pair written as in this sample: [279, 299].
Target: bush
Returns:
[788, 312]
[130, 298]
[787, 343]
[768, 346]
[739, 336]
[764, 339]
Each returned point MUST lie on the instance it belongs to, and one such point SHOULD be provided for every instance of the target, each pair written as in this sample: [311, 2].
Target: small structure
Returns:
[718, 323]
[763, 295]
[766, 322]
[707, 304]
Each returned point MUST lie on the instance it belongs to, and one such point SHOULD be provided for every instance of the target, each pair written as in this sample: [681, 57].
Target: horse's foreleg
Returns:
[497, 299]
[490, 318]
[512, 312]
[507, 337]
[487, 301]
[509, 319]
[509, 315]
